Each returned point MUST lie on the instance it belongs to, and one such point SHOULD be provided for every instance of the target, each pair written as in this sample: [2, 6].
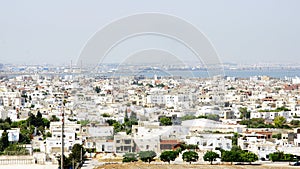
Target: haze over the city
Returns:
[34, 32]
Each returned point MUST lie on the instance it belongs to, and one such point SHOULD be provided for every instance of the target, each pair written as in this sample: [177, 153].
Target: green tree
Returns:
[39, 115]
[25, 137]
[77, 154]
[128, 122]
[97, 89]
[48, 134]
[118, 127]
[41, 129]
[39, 121]
[234, 155]
[126, 116]
[228, 156]
[280, 156]
[279, 121]
[295, 122]
[46, 123]
[110, 122]
[4, 143]
[8, 120]
[31, 119]
[238, 155]
[84, 122]
[105, 115]
[190, 156]
[67, 162]
[210, 156]
[54, 118]
[235, 139]
[5, 126]
[245, 114]
[165, 121]
[168, 156]
[129, 157]
[188, 146]
[249, 157]
[277, 156]
[213, 117]
[256, 123]
[147, 156]
[278, 136]
[15, 149]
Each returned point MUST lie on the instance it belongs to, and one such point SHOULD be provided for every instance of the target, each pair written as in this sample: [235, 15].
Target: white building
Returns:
[211, 141]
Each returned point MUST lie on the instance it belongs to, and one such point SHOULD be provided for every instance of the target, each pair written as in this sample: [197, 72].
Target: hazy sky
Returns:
[252, 31]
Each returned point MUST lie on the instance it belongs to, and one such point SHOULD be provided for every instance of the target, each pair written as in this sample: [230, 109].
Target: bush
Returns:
[189, 147]
[165, 121]
[249, 157]
[129, 157]
[256, 123]
[147, 156]
[187, 117]
[238, 155]
[277, 136]
[105, 115]
[15, 149]
[295, 122]
[280, 156]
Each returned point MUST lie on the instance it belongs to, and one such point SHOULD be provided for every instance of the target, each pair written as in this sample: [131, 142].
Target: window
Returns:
[227, 145]
[109, 148]
[127, 141]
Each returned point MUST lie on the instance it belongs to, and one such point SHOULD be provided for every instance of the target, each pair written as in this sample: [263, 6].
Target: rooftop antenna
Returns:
[80, 66]
[71, 67]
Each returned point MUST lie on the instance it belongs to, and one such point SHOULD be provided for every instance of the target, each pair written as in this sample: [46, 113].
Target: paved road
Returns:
[32, 166]
[91, 164]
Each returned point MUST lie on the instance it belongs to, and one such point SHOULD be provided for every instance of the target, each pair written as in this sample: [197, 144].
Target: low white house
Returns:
[107, 146]
[100, 131]
[13, 135]
[211, 141]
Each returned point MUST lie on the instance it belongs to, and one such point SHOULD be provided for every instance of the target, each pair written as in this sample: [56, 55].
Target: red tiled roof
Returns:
[169, 142]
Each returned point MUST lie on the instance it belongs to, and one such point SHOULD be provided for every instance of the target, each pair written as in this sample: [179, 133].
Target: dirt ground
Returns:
[192, 166]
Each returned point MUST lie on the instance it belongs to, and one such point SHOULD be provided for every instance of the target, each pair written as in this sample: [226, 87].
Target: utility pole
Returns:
[62, 138]
[73, 163]
[81, 154]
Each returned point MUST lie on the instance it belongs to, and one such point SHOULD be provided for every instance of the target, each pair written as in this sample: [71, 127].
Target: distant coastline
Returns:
[110, 70]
